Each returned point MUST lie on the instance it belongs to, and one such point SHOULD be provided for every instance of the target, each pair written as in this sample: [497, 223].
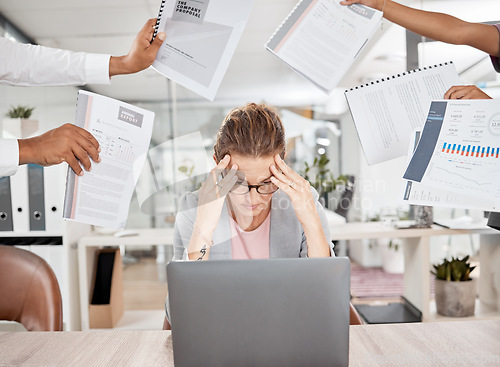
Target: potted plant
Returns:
[455, 290]
[18, 123]
[322, 179]
[392, 256]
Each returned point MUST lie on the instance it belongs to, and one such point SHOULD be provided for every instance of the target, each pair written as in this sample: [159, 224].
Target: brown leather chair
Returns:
[354, 318]
[29, 291]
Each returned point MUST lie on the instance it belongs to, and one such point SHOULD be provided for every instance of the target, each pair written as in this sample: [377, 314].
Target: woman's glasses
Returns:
[242, 188]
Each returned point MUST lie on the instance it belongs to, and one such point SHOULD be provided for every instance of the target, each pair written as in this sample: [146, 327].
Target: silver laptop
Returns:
[277, 312]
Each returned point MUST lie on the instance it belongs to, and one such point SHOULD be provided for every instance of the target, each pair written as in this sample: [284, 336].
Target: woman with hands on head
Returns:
[252, 205]
[444, 28]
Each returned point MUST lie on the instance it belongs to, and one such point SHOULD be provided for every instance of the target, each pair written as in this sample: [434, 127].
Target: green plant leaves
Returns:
[23, 112]
[456, 270]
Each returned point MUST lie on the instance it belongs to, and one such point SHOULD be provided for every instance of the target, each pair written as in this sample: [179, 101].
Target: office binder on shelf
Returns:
[388, 110]
[6, 222]
[54, 181]
[36, 192]
[20, 200]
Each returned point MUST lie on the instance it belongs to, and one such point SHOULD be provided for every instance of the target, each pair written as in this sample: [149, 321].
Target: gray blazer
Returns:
[287, 237]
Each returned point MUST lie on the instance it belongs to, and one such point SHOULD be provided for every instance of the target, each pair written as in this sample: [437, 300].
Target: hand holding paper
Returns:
[67, 143]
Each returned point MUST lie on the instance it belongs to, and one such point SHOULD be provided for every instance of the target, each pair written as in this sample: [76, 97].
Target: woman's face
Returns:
[251, 171]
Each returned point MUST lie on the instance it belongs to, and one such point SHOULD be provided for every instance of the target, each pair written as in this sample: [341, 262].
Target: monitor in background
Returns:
[274, 312]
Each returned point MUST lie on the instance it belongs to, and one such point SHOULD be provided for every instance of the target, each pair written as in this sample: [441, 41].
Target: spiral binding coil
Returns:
[397, 76]
[160, 12]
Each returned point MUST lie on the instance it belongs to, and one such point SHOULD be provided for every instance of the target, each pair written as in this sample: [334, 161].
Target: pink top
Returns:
[252, 244]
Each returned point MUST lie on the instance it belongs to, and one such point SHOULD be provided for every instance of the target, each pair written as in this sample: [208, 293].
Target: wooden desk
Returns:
[87, 247]
[468, 343]
[417, 257]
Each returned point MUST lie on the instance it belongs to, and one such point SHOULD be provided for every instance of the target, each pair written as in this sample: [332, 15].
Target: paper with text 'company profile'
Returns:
[201, 36]
[459, 151]
[102, 196]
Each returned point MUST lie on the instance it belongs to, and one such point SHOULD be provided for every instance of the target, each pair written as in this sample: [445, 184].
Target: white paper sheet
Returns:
[459, 152]
[388, 110]
[200, 42]
[102, 196]
[321, 38]
[417, 193]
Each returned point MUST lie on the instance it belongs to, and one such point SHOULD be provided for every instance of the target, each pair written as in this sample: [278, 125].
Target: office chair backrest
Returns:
[29, 291]
[354, 318]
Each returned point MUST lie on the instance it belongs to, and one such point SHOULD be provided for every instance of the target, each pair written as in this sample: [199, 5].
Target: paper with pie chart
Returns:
[459, 150]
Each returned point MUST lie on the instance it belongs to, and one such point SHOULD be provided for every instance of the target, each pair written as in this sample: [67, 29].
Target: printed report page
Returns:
[102, 196]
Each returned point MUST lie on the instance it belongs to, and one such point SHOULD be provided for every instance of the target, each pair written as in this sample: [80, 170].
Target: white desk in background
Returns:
[417, 259]
[87, 247]
[464, 343]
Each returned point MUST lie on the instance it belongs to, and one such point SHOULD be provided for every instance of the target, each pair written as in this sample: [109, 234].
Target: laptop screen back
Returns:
[275, 312]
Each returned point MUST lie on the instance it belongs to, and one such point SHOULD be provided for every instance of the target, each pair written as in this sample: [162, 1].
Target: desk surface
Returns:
[470, 343]
[148, 236]
[361, 230]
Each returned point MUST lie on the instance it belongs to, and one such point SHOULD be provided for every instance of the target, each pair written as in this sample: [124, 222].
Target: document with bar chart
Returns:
[459, 150]
[417, 193]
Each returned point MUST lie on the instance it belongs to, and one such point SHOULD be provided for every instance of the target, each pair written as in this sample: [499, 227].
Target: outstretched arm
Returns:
[142, 53]
[437, 26]
[67, 143]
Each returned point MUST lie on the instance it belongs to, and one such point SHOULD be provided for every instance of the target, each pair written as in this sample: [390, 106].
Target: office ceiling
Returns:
[254, 74]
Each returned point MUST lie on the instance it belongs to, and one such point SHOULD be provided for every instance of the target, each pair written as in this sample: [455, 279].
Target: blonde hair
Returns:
[254, 130]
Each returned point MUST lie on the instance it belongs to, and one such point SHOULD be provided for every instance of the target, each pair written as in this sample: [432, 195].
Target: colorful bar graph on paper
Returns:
[471, 149]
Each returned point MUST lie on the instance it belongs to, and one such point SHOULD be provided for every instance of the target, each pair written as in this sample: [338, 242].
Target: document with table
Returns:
[388, 110]
[321, 38]
[459, 152]
[201, 38]
[102, 196]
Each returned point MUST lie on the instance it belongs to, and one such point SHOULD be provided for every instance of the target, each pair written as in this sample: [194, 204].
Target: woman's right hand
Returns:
[211, 196]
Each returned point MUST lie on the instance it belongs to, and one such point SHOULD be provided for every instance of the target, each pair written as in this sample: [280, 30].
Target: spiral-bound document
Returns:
[386, 111]
[320, 39]
[201, 36]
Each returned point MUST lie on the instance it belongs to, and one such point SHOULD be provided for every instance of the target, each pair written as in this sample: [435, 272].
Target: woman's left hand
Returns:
[297, 188]
[465, 92]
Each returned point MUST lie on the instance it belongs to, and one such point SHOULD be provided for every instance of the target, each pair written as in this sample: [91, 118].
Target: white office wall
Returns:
[53, 105]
